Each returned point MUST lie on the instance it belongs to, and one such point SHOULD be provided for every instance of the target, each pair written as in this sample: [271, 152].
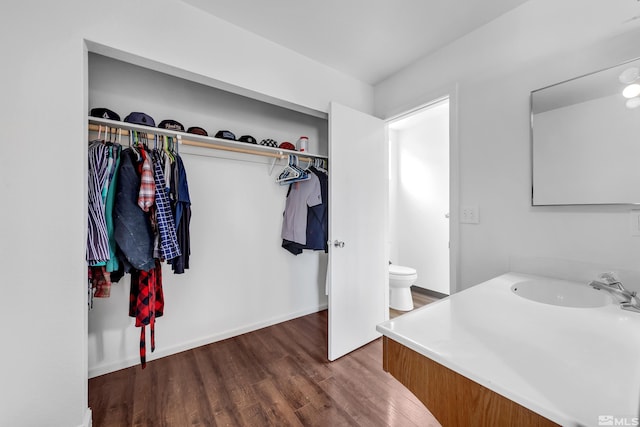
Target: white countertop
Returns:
[570, 365]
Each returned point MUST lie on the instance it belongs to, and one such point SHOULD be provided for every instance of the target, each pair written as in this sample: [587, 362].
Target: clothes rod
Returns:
[198, 140]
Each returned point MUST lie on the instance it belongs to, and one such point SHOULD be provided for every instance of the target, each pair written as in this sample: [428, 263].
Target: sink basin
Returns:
[561, 292]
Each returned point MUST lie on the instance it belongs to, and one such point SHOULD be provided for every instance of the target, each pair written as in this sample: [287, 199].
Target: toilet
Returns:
[400, 280]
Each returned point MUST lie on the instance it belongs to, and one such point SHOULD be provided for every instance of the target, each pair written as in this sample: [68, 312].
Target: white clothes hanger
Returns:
[289, 172]
[292, 172]
[304, 174]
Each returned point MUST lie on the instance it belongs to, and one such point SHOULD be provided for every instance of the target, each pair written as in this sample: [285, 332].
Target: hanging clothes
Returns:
[112, 264]
[132, 229]
[138, 216]
[302, 194]
[318, 216]
[316, 229]
[147, 189]
[146, 303]
[103, 163]
[100, 280]
[97, 237]
[181, 207]
[169, 248]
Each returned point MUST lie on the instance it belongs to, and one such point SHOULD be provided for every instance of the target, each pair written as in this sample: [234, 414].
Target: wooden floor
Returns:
[276, 376]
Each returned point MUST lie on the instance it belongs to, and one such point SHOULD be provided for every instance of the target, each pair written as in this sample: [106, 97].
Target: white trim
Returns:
[454, 192]
[83, 340]
[417, 109]
[450, 92]
[88, 420]
[188, 345]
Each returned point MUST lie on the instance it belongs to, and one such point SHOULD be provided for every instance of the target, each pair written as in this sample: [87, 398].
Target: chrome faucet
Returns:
[608, 282]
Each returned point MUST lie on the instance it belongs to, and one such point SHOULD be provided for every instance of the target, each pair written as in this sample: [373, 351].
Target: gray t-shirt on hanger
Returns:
[303, 194]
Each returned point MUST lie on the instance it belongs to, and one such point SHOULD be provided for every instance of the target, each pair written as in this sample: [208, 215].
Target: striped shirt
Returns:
[97, 238]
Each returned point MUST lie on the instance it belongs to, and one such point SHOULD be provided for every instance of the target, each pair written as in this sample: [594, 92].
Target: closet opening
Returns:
[240, 278]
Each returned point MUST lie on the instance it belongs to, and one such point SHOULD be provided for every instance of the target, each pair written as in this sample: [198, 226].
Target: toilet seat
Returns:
[400, 270]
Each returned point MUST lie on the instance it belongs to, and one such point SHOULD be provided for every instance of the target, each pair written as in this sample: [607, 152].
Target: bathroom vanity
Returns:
[493, 355]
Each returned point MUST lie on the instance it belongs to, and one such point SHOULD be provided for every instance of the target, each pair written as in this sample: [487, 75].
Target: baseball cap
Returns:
[140, 119]
[269, 142]
[247, 138]
[225, 134]
[104, 113]
[171, 125]
[197, 130]
[287, 146]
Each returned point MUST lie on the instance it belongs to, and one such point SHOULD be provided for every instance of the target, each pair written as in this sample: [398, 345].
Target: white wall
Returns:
[43, 111]
[419, 196]
[496, 67]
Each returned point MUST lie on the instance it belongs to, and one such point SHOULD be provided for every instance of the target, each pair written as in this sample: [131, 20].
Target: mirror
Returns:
[586, 139]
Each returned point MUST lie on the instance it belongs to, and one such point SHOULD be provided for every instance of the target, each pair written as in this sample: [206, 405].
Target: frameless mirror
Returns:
[586, 139]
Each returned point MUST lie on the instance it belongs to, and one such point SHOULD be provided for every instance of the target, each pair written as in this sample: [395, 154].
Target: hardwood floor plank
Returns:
[308, 346]
[408, 411]
[225, 395]
[254, 415]
[374, 392]
[148, 396]
[115, 394]
[323, 411]
[277, 408]
[198, 411]
[361, 410]
[293, 382]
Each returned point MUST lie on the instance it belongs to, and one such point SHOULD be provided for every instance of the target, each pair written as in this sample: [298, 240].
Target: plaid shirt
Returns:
[169, 248]
[146, 195]
[146, 303]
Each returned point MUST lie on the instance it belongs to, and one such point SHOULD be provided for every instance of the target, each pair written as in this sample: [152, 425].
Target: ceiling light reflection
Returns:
[629, 75]
[631, 91]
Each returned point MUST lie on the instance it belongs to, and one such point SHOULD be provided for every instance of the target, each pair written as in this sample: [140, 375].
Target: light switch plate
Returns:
[471, 215]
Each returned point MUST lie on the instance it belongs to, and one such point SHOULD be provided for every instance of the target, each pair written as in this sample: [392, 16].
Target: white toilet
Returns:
[400, 281]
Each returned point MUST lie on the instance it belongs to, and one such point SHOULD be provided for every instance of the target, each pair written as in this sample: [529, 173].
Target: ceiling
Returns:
[366, 39]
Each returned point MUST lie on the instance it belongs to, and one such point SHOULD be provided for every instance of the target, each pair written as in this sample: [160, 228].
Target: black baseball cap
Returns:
[225, 134]
[171, 125]
[248, 138]
[140, 119]
[104, 113]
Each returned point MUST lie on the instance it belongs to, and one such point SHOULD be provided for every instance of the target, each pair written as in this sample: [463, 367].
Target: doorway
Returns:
[420, 194]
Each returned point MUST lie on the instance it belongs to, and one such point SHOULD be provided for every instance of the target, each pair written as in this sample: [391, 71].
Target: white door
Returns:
[358, 268]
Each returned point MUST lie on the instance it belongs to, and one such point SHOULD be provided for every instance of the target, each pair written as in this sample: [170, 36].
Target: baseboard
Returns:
[88, 420]
[159, 353]
[428, 292]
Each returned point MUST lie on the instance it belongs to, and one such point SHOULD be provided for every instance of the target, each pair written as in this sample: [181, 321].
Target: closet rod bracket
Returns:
[273, 164]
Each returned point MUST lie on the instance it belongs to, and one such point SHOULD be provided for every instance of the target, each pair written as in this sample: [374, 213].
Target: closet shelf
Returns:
[201, 141]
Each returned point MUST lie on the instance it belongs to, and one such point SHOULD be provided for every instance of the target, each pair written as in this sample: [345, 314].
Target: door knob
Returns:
[338, 244]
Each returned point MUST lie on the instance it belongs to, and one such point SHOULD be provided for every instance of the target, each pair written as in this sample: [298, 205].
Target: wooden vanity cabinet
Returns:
[452, 398]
